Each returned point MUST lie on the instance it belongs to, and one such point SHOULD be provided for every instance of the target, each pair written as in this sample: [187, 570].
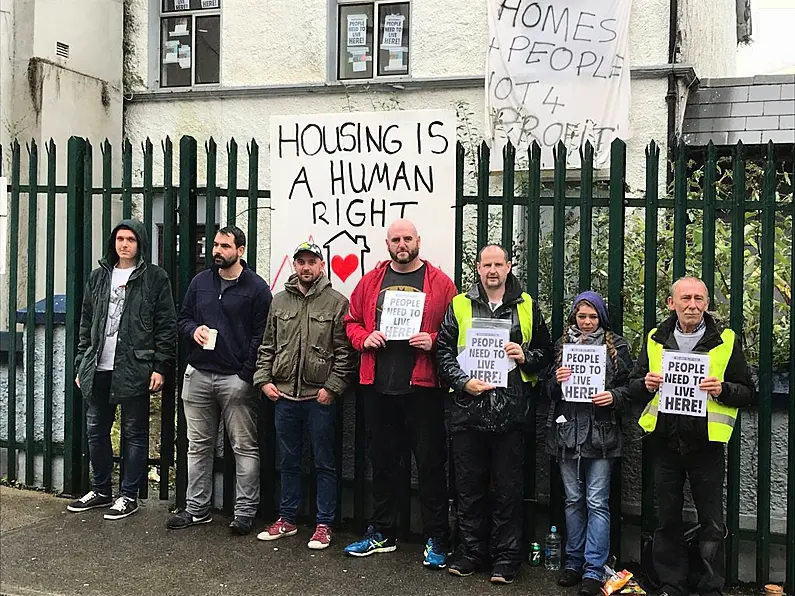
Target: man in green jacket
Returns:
[304, 365]
[128, 337]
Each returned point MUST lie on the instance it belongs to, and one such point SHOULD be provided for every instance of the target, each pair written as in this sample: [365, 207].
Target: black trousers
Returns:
[394, 422]
[487, 462]
[705, 471]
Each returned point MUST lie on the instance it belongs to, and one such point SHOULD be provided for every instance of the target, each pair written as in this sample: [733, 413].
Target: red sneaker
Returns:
[321, 538]
[279, 529]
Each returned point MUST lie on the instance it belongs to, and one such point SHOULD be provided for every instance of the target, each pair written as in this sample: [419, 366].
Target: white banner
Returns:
[340, 180]
[682, 373]
[558, 70]
[587, 364]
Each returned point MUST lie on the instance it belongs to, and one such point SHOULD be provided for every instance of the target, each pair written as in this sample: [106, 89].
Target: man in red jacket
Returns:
[402, 398]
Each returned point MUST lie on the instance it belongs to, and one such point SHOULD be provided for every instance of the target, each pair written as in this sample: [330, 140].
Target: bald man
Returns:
[690, 445]
[403, 402]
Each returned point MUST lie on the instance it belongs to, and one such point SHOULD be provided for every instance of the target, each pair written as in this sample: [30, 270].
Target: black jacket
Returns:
[589, 431]
[686, 434]
[239, 313]
[501, 409]
[147, 337]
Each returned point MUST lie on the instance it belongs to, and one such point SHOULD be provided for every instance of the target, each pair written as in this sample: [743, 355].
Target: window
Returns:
[367, 51]
[190, 42]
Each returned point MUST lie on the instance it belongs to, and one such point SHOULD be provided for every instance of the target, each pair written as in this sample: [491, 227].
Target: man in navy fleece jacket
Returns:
[231, 302]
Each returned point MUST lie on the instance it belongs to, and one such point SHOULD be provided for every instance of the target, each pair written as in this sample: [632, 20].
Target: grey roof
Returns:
[753, 110]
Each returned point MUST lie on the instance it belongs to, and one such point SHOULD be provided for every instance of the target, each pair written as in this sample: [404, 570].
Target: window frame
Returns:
[335, 47]
[159, 35]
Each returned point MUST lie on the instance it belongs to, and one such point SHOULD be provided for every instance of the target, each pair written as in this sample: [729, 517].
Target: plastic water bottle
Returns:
[552, 550]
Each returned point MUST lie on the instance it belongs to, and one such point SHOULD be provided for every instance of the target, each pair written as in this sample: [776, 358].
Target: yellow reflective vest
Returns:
[462, 309]
[720, 418]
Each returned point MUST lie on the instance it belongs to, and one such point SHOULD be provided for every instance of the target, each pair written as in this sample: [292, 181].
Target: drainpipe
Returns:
[671, 95]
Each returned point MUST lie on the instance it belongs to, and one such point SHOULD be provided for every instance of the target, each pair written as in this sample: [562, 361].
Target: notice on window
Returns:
[171, 53]
[358, 58]
[180, 29]
[401, 314]
[210, 3]
[484, 356]
[184, 57]
[357, 30]
[395, 61]
[181, 4]
[587, 364]
[682, 373]
[393, 32]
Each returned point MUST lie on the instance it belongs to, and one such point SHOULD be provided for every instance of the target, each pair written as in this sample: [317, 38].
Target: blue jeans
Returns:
[291, 417]
[100, 414]
[587, 485]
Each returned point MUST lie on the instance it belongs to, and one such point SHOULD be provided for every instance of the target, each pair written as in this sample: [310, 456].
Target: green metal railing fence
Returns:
[572, 222]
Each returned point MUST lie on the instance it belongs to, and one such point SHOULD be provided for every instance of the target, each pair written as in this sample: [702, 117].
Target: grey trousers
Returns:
[206, 397]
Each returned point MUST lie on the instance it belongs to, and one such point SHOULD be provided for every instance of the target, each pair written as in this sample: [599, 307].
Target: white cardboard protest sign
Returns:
[587, 364]
[484, 356]
[558, 70]
[340, 180]
[401, 314]
[679, 393]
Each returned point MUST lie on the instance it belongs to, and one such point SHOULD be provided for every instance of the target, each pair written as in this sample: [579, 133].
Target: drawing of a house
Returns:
[345, 255]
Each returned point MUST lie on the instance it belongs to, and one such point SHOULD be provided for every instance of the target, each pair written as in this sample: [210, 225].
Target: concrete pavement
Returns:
[46, 551]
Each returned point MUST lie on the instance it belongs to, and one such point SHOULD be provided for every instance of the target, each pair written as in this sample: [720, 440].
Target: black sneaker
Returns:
[121, 508]
[462, 567]
[502, 575]
[183, 519]
[241, 525]
[90, 500]
[569, 577]
[590, 587]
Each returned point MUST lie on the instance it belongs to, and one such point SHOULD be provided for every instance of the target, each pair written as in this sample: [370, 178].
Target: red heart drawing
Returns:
[343, 267]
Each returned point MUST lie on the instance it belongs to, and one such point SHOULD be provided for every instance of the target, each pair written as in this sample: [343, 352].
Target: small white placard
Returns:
[682, 373]
[587, 364]
[357, 30]
[181, 4]
[209, 3]
[484, 356]
[393, 32]
[401, 314]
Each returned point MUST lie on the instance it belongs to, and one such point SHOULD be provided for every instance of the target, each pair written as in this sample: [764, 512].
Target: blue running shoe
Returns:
[435, 555]
[373, 542]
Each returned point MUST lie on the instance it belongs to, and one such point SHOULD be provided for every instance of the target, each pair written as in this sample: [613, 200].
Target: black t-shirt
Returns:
[395, 362]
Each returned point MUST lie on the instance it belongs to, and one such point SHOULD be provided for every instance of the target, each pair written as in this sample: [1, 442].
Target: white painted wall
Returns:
[281, 41]
[43, 96]
[709, 36]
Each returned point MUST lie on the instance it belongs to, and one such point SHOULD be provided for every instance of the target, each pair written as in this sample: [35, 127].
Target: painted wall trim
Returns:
[683, 71]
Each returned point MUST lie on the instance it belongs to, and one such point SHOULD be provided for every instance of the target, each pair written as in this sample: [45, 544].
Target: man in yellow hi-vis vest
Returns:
[688, 445]
[486, 423]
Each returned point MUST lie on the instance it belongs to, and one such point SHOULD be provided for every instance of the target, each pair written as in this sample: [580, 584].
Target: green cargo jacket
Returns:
[304, 347]
[147, 338]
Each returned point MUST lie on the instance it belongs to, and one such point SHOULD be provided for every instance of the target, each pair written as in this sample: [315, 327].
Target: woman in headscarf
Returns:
[585, 437]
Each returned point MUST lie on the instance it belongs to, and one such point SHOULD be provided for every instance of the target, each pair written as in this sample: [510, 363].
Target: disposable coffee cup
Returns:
[210, 345]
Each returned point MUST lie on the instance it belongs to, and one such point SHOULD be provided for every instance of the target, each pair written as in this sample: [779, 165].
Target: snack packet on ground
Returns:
[632, 587]
[615, 582]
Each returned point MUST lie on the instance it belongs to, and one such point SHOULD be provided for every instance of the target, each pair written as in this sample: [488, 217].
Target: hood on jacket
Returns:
[321, 283]
[137, 228]
[597, 302]
[513, 290]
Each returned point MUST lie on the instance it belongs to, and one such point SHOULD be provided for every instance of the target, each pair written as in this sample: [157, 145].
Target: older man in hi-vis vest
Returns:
[688, 445]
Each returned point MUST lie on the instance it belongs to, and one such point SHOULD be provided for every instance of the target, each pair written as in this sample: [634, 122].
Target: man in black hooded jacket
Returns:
[128, 337]
[487, 423]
